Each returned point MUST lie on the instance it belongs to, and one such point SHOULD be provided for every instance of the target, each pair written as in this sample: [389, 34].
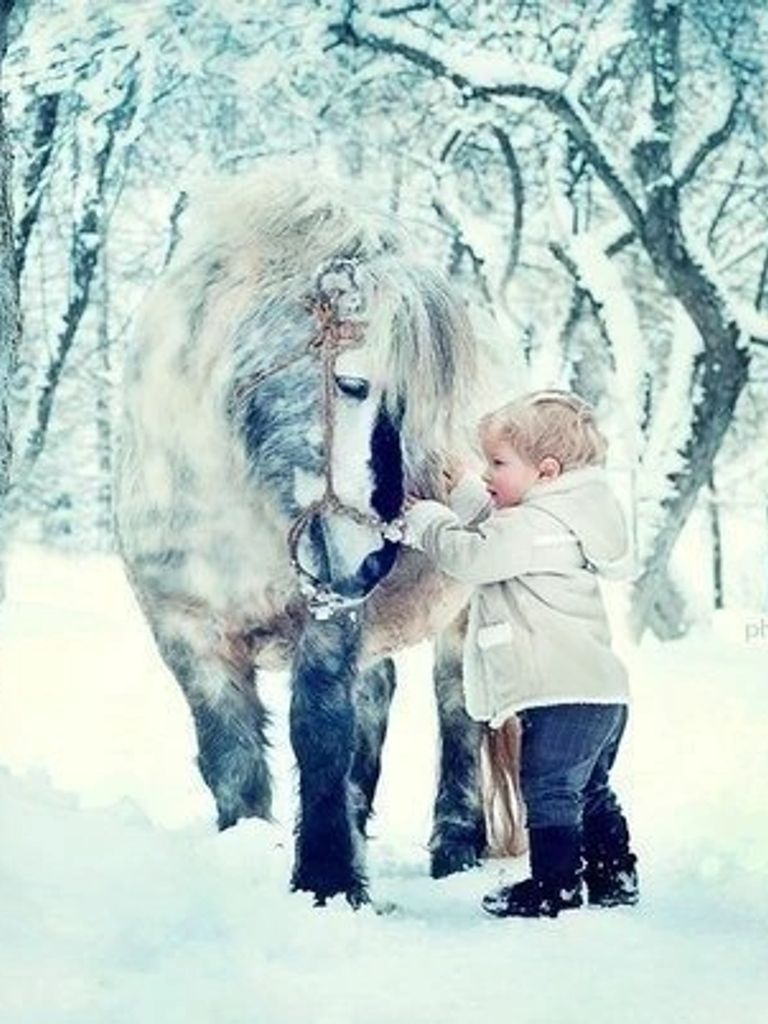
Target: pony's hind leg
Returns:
[230, 721]
[459, 834]
[374, 689]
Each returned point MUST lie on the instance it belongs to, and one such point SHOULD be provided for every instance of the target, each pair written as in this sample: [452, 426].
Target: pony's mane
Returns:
[284, 224]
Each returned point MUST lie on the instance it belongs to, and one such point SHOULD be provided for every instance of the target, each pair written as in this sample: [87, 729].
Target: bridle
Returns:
[333, 336]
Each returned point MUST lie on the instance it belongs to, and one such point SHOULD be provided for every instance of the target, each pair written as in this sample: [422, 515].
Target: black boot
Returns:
[555, 884]
[610, 870]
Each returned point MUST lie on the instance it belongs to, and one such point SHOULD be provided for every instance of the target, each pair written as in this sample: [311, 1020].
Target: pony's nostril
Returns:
[372, 570]
[376, 566]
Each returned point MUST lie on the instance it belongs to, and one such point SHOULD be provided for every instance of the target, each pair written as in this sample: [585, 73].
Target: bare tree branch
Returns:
[6, 8]
[46, 118]
[582, 292]
[84, 257]
[461, 247]
[518, 197]
[712, 142]
[720, 212]
[575, 309]
[394, 12]
[621, 243]
[450, 144]
[174, 234]
[762, 284]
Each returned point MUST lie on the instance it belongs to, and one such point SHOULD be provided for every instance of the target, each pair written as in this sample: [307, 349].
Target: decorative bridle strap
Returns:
[332, 336]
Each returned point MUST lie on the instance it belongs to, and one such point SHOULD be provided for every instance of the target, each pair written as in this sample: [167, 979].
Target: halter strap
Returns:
[333, 336]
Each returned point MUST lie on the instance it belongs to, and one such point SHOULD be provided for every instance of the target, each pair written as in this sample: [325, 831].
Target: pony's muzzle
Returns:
[340, 562]
[372, 569]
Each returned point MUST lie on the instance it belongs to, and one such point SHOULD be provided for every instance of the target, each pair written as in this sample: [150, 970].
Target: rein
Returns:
[333, 336]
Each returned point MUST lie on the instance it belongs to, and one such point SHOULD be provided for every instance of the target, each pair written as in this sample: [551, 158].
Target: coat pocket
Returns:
[500, 653]
[504, 651]
[494, 634]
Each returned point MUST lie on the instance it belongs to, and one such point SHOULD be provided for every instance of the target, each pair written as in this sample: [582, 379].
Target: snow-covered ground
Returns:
[120, 904]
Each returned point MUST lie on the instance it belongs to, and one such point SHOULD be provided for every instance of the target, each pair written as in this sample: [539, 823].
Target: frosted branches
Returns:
[486, 76]
[86, 241]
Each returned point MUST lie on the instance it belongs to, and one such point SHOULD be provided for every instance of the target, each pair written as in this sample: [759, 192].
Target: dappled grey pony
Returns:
[293, 374]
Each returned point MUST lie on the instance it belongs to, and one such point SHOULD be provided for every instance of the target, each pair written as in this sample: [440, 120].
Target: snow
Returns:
[122, 904]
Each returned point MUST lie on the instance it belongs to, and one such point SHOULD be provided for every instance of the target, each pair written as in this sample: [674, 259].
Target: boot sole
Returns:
[504, 910]
[613, 901]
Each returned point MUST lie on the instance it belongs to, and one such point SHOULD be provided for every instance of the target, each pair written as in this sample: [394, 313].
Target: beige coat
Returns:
[538, 632]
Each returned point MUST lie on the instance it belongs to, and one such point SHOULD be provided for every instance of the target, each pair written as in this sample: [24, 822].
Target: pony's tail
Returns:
[502, 797]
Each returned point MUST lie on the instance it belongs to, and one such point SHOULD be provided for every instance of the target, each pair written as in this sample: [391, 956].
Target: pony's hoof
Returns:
[358, 898]
[452, 858]
[355, 892]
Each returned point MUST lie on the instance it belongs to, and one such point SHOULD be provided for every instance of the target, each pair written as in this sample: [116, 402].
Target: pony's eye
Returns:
[353, 387]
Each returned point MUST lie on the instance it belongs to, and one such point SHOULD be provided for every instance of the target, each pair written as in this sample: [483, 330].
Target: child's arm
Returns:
[501, 547]
[470, 500]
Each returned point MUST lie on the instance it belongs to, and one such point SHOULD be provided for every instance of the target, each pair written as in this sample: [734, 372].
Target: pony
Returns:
[293, 374]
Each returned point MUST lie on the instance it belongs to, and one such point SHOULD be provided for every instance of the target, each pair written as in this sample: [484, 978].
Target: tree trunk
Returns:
[9, 300]
[104, 411]
[667, 616]
[720, 373]
[717, 545]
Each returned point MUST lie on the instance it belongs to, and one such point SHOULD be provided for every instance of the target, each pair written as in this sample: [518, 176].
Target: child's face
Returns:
[507, 475]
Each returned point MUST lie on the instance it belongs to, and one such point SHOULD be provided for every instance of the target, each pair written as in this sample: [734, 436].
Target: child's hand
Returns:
[453, 472]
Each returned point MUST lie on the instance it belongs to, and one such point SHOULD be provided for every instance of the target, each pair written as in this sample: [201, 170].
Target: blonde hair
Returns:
[552, 422]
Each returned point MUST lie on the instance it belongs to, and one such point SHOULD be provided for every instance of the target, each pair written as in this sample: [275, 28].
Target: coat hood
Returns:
[583, 501]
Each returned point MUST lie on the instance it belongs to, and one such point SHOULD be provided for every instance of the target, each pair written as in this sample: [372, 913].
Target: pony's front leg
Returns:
[459, 834]
[329, 847]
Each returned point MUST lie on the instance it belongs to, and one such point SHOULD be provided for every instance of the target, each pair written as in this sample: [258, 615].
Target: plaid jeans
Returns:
[567, 752]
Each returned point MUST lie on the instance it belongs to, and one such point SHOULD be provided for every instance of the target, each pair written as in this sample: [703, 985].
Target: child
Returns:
[538, 641]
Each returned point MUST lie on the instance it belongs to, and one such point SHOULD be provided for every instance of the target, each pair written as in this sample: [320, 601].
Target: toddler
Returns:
[533, 536]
